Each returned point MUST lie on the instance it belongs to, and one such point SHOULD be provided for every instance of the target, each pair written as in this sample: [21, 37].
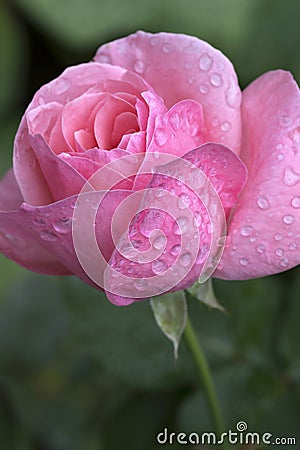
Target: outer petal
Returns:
[181, 67]
[158, 254]
[264, 235]
[18, 241]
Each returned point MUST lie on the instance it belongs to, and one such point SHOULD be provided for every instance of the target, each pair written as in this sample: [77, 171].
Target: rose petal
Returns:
[10, 194]
[180, 67]
[181, 192]
[264, 234]
[17, 240]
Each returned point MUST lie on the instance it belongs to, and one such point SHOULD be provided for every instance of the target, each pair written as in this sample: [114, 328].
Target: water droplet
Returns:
[279, 147]
[203, 89]
[167, 48]
[205, 62]
[48, 235]
[253, 239]
[295, 202]
[180, 226]
[190, 79]
[154, 41]
[139, 66]
[160, 136]
[246, 230]
[197, 218]
[63, 225]
[159, 242]
[158, 267]
[216, 80]
[39, 222]
[278, 237]
[284, 262]
[285, 121]
[183, 201]
[290, 177]
[188, 65]
[260, 248]
[185, 260]
[233, 96]
[293, 246]
[244, 261]
[288, 219]
[263, 203]
[175, 250]
[279, 252]
[140, 284]
[225, 126]
[280, 157]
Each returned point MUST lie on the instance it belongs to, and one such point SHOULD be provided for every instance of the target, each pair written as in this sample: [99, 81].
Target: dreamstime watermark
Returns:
[162, 189]
[240, 436]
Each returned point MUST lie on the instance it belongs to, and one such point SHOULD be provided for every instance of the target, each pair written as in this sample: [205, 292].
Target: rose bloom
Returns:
[102, 132]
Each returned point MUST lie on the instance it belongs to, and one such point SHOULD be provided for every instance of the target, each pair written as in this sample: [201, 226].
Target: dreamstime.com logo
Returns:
[240, 436]
[178, 194]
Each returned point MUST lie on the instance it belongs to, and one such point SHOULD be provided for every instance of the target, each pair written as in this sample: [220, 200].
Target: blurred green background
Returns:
[77, 373]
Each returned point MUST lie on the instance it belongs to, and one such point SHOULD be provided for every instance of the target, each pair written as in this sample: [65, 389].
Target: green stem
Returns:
[206, 378]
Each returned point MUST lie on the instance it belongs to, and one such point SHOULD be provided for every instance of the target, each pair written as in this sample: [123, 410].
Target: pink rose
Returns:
[127, 168]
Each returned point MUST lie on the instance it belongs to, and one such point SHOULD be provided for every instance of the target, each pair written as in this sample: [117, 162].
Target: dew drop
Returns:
[185, 260]
[180, 226]
[190, 79]
[285, 121]
[216, 80]
[290, 177]
[279, 147]
[284, 262]
[167, 48]
[280, 157]
[175, 250]
[160, 136]
[48, 235]
[225, 126]
[233, 96]
[154, 41]
[279, 252]
[260, 248]
[205, 62]
[39, 222]
[295, 202]
[288, 219]
[188, 65]
[203, 89]
[263, 203]
[139, 66]
[197, 218]
[158, 267]
[63, 225]
[278, 237]
[183, 201]
[159, 242]
[246, 230]
[140, 284]
[253, 239]
[293, 246]
[244, 261]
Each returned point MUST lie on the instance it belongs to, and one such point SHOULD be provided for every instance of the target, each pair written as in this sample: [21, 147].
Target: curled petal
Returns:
[181, 67]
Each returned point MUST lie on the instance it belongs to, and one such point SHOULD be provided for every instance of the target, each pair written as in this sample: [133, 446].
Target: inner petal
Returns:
[105, 119]
[125, 123]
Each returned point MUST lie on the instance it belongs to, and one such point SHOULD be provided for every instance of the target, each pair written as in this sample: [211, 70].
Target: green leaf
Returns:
[204, 292]
[170, 312]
